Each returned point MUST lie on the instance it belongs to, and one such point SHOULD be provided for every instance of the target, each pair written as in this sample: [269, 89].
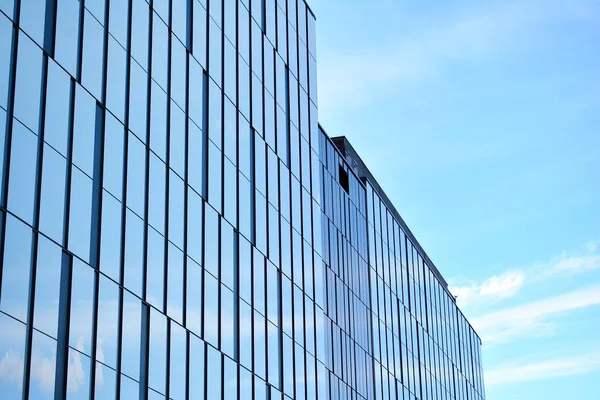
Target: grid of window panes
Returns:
[347, 369]
[157, 197]
[423, 347]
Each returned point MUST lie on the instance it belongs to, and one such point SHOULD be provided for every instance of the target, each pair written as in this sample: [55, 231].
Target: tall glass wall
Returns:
[159, 172]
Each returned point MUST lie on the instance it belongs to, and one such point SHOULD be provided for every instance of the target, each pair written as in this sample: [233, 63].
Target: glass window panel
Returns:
[155, 277]
[84, 130]
[21, 185]
[6, 32]
[28, 84]
[78, 381]
[215, 57]
[273, 339]
[245, 147]
[175, 284]
[288, 365]
[47, 288]
[256, 56]
[52, 204]
[178, 362]
[200, 34]
[273, 178]
[32, 20]
[196, 92]
[12, 346]
[67, 35]
[245, 334]
[260, 345]
[299, 373]
[82, 301]
[80, 214]
[230, 195]
[230, 132]
[138, 96]
[110, 241]
[92, 64]
[176, 211]
[117, 24]
[259, 282]
[286, 247]
[162, 8]
[230, 60]
[246, 209]
[196, 156]
[160, 51]
[213, 376]
[260, 222]
[157, 356]
[113, 156]
[272, 293]
[116, 75]
[244, 33]
[270, 120]
[134, 252]
[43, 367]
[139, 31]
[132, 330]
[211, 309]
[197, 359]
[194, 226]
[227, 321]
[177, 140]
[179, 19]
[194, 297]
[269, 67]
[286, 305]
[260, 165]
[157, 193]
[227, 254]
[136, 175]
[178, 72]
[257, 104]
[282, 135]
[108, 317]
[57, 108]
[211, 240]
[215, 184]
[284, 191]
[298, 315]
[215, 114]
[230, 379]
[106, 380]
[16, 268]
[158, 121]
[245, 270]
[244, 88]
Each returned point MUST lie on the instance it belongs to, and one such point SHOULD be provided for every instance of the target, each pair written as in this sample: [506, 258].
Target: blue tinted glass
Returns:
[6, 32]
[139, 31]
[259, 281]
[157, 356]
[52, 205]
[211, 309]
[215, 184]
[43, 360]
[84, 130]
[28, 84]
[106, 379]
[245, 147]
[244, 88]
[199, 35]
[158, 121]
[215, 58]
[230, 382]
[179, 18]
[113, 156]
[211, 240]
[92, 64]
[12, 346]
[227, 321]
[134, 252]
[230, 192]
[16, 269]
[67, 34]
[256, 55]
[230, 131]
[32, 19]
[215, 114]
[138, 86]
[260, 165]
[80, 214]
[108, 308]
[177, 140]
[47, 288]
[244, 33]
[178, 362]
[176, 212]
[273, 358]
[260, 346]
[82, 296]
[194, 226]
[245, 270]
[116, 74]
[230, 59]
[130, 348]
[196, 385]
[272, 293]
[260, 222]
[156, 195]
[110, 241]
[246, 209]
[78, 376]
[196, 93]
[257, 104]
[194, 297]
[57, 108]
[117, 24]
[155, 277]
[213, 378]
[245, 335]
[196, 167]
[178, 72]
[136, 171]
[160, 47]
[227, 254]
[175, 284]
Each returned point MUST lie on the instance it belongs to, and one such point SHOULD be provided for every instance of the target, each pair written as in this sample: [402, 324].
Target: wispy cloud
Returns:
[492, 289]
[543, 370]
[532, 319]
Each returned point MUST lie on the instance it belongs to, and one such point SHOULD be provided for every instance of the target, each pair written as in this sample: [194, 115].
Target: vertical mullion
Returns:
[144, 351]
[50, 27]
[80, 42]
[64, 316]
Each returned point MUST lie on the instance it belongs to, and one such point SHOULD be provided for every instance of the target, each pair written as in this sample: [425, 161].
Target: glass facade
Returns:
[174, 223]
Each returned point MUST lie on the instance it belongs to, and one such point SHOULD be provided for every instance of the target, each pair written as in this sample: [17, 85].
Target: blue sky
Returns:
[481, 121]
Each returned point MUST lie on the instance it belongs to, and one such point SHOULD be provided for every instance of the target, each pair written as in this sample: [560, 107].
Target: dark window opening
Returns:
[344, 182]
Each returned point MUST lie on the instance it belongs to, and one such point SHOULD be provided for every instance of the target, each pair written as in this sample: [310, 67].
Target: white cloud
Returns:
[543, 370]
[491, 290]
[592, 245]
[532, 319]
[574, 264]
[11, 368]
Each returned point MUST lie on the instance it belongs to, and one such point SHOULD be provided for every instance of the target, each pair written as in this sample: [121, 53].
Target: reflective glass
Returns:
[215, 184]
[80, 214]
[200, 34]
[177, 362]
[78, 381]
[246, 209]
[179, 18]
[110, 240]
[178, 75]
[113, 156]
[260, 222]
[16, 269]
[139, 31]
[43, 366]
[106, 380]
[155, 277]
[230, 65]
[196, 159]
[196, 362]
[138, 96]
[136, 171]
[227, 321]
[67, 34]
[57, 108]
[176, 211]
[246, 137]
[177, 140]
[213, 373]
[130, 347]
[211, 309]
[230, 131]
[215, 114]
[116, 74]
[157, 193]
[92, 60]
[158, 121]
[215, 51]
[157, 356]
[272, 293]
[245, 335]
[84, 130]
[244, 88]
[245, 270]
[21, 183]
[108, 315]
[194, 226]
[6, 32]
[32, 18]
[230, 198]
[194, 297]
[244, 33]
[175, 292]
[134, 252]
[52, 203]
[260, 345]
[259, 281]
[227, 254]
[230, 379]
[211, 240]
[82, 301]
[160, 51]
[196, 93]
[12, 346]
[47, 287]
[117, 24]
[260, 165]
[274, 354]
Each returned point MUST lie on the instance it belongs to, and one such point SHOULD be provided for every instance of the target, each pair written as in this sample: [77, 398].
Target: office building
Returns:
[175, 224]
